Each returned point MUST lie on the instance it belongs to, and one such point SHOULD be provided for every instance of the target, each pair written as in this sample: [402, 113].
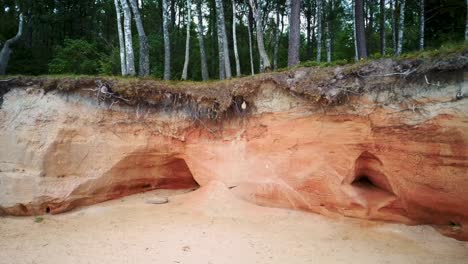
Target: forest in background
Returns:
[82, 37]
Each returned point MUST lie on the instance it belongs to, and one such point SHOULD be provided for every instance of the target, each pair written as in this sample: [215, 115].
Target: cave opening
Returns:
[368, 184]
[363, 181]
[144, 172]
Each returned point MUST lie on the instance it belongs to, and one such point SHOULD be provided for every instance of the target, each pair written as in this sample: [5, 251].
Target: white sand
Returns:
[211, 226]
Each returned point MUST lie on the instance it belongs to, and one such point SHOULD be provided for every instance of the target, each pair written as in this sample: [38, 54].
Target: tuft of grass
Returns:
[444, 51]
[38, 219]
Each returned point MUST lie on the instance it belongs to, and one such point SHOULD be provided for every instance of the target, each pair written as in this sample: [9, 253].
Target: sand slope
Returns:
[211, 226]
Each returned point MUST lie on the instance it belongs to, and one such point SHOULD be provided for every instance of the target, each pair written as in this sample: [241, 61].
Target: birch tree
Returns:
[401, 28]
[356, 53]
[257, 6]
[222, 66]
[167, 42]
[294, 32]
[144, 66]
[123, 64]
[129, 56]
[382, 27]
[187, 40]
[421, 25]
[249, 28]
[328, 30]
[234, 37]
[6, 50]
[360, 30]
[328, 41]
[201, 41]
[222, 38]
[319, 29]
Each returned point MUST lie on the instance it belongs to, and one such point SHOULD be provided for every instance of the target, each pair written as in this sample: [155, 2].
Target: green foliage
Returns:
[110, 64]
[324, 64]
[443, 51]
[80, 37]
[38, 219]
[76, 56]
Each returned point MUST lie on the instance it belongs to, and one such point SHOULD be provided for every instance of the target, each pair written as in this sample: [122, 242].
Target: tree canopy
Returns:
[81, 36]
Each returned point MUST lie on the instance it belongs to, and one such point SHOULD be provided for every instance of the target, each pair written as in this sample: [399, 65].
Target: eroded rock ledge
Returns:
[380, 141]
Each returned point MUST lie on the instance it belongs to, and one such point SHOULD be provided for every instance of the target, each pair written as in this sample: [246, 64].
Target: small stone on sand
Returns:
[157, 200]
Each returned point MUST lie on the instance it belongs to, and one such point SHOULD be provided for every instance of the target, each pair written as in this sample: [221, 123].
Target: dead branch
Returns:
[103, 93]
[429, 83]
[404, 74]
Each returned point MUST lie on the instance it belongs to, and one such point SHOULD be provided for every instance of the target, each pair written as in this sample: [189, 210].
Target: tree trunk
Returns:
[394, 24]
[370, 26]
[294, 33]
[201, 41]
[360, 30]
[123, 64]
[328, 42]
[167, 42]
[382, 27]
[421, 25]
[187, 40]
[356, 53]
[392, 12]
[6, 50]
[466, 23]
[223, 36]
[257, 12]
[222, 66]
[249, 28]
[144, 68]
[234, 37]
[319, 30]
[130, 57]
[401, 27]
[277, 37]
[308, 15]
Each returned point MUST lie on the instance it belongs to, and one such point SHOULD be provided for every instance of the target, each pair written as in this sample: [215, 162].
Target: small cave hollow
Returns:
[369, 181]
[239, 106]
[143, 172]
[363, 181]
[368, 173]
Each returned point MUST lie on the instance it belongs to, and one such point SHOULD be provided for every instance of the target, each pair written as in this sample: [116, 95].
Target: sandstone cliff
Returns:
[382, 140]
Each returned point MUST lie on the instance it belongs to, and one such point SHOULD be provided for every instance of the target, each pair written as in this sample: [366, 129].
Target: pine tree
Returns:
[294, 32]
[360, 30]
[223, 40]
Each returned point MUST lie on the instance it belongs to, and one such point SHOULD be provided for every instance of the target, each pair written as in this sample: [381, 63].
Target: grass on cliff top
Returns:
[447, 50]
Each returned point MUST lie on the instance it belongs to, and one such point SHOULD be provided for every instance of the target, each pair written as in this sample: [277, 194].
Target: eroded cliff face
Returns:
[398, 154]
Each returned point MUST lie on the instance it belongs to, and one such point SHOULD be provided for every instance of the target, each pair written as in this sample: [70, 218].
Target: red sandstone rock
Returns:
[367, 159]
